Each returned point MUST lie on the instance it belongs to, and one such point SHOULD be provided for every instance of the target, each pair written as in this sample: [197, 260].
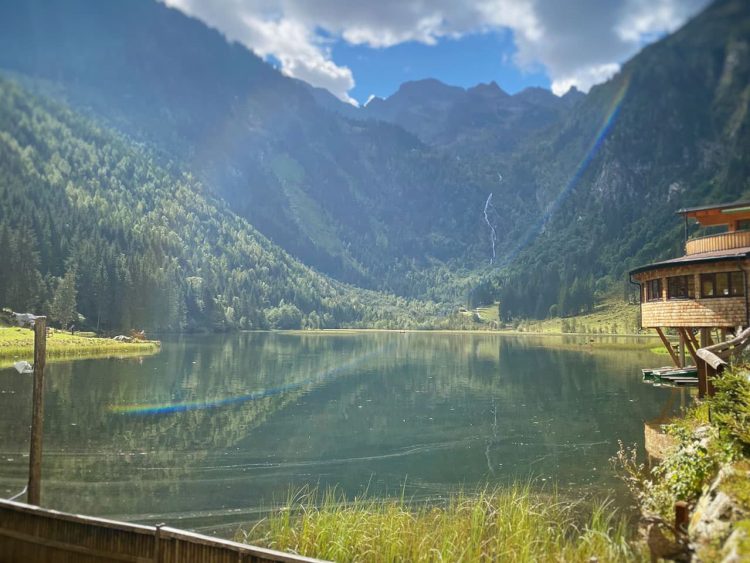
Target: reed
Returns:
[513, 524]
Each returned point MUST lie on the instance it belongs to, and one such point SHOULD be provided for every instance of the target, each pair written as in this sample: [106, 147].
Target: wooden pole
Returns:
[702, 378]
[689, 343]
[157, 543]
[683, 342]
[705, 337]
[668, 346]
[37, 411]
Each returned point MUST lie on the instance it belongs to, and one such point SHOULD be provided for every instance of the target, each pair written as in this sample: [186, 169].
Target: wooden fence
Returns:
[29, 533]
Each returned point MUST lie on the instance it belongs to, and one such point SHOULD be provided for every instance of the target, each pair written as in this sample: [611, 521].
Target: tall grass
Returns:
[512, 524]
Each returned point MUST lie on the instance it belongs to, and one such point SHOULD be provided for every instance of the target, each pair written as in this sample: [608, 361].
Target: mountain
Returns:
[482, 119]
[436, 192]
[363, 201]
[670, 130]
[145, 243]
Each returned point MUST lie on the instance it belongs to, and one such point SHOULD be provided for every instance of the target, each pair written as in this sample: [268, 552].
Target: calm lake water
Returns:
[215, 429]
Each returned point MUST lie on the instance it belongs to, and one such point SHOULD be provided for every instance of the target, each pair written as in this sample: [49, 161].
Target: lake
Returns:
[215, 429]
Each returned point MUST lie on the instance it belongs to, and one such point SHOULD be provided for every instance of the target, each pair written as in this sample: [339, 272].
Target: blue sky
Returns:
[358, 48]
[475, 58]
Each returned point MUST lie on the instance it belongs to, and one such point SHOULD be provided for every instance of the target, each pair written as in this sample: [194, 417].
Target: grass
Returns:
[490, 313]
[513, 524]
[18, 344]
[737, 485]
[611, 315]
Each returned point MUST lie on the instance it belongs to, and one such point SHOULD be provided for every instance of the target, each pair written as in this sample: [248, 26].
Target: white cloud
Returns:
[263, 27]
[577, 42]
[584, 42]
[584, 78]
[647, 19]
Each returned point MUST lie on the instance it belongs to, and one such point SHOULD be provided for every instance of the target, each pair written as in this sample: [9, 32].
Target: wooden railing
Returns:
[713, 359]
[713, 243]
[30, 533]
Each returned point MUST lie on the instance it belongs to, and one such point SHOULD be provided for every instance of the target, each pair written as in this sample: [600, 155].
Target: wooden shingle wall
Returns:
[720, 312]
[709, 312]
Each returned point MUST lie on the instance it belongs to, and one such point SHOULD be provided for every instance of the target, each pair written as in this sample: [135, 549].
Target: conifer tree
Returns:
[63, 308]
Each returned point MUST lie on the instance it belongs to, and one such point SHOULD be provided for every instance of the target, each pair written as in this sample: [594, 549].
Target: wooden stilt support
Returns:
[703, 365]
[710, 374]
[668, 346]
[37, 411]
[685, 333]
[683, 342]
[693, 338]
[702, 378]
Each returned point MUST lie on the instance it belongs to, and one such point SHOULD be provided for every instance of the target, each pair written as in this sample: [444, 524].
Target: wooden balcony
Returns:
[714, 243]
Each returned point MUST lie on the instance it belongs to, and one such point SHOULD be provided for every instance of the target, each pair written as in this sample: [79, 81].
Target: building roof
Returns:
[703, 258]
[719, 206]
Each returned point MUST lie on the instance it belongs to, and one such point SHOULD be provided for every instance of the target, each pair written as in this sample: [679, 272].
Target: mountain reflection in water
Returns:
[216, 429]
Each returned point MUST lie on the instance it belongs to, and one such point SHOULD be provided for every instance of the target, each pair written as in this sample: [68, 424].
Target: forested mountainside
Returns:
[364, 201]
[144, 245]
[574, 190]
[670, 130]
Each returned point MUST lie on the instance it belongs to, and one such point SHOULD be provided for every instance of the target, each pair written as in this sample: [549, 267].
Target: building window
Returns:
[743, 225]
[681, 287]
[736, 284]
[653, 290]
[723, 284]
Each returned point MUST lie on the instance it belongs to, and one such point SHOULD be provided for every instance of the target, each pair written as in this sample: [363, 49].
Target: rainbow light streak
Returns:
[164, 408]
[609, 120]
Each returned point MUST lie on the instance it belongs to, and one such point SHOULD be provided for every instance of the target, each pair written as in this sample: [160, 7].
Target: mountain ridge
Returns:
[576, 188]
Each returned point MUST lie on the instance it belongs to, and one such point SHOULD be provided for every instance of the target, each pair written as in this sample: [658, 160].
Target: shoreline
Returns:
[331, 331]
[17, 344]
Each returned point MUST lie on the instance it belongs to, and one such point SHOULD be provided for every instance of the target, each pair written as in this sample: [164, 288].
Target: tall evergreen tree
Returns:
[63, 307]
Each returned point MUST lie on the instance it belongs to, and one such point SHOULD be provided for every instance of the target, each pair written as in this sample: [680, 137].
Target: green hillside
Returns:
[146, 245]
[395, 198]
[671, 130]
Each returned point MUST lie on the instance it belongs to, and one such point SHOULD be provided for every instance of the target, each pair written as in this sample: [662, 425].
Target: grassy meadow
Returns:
[18, 344]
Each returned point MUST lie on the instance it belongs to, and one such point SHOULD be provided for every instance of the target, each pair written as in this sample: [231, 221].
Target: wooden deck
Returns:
[29, 533]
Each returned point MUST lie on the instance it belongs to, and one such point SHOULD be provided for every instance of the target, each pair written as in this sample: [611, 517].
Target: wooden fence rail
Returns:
[29, 533]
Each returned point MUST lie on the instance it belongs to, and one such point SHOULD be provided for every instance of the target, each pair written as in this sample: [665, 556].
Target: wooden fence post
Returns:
[37, 411]
[157, 543]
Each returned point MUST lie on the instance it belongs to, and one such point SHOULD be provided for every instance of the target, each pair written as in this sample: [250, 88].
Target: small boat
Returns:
[669, 376]
[648, 373]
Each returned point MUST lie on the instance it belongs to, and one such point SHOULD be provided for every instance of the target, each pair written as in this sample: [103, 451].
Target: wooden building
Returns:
[702, 295]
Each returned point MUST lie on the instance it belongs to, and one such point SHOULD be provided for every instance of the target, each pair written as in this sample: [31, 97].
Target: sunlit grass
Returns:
[611, 315]
[513, 524]
[18, 344]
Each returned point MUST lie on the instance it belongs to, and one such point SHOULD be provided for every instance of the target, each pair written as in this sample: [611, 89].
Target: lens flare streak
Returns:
[609, 120]
[163, 408]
